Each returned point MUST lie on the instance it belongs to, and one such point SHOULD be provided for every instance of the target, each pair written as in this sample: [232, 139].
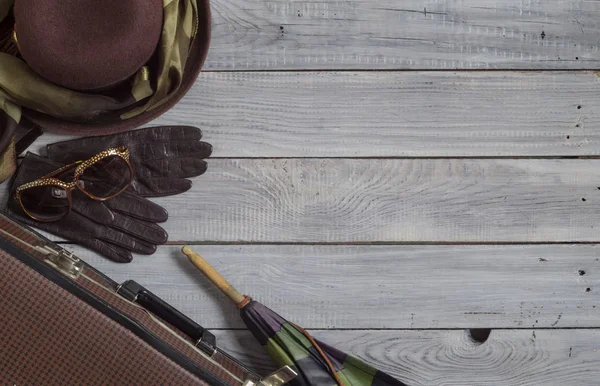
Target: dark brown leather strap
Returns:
[26, 134]
[8, 127]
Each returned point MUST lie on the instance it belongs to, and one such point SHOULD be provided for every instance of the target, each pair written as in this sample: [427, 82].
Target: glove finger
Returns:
[142, 230]
[94, 210]
[133, 205]
[110, 251]
[81, 149]
[109, 242]
[184, 167]
[172, 133]
[158, 150]
[126, 241]
[157, 133]
[126, 232]
[160, 186]
[73, 227]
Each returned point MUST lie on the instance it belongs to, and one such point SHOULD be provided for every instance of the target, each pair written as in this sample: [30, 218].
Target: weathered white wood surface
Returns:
[362, 287]
[451, 358]
[400, 200]
[375, 290]
[392, 114]
[409, 34]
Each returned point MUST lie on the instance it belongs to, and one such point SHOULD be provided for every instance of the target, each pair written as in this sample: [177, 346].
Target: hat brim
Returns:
[198, 54]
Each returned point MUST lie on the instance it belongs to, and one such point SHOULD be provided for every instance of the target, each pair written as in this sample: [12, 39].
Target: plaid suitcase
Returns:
[64, 323]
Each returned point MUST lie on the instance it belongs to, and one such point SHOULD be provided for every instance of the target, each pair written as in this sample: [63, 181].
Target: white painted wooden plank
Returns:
[392, 114]
[401, 200]
[375, 287]
[388, 34]
[450, 358]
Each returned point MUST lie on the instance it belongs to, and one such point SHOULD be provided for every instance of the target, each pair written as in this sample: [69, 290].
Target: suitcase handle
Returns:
[203, 339]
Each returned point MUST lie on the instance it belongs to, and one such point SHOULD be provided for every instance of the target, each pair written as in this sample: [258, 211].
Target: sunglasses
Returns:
[102, 177]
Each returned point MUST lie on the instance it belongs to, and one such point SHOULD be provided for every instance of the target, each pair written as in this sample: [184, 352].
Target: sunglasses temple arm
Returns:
[59, 171]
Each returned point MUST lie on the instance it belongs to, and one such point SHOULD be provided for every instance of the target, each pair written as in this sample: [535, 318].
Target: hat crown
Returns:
[87, 44]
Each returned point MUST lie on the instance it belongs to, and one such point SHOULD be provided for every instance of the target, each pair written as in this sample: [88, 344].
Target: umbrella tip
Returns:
[191, 255]
[186, 250]
[233, 294]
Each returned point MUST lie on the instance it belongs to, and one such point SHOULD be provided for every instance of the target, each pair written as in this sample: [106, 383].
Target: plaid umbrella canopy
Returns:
[316, 363]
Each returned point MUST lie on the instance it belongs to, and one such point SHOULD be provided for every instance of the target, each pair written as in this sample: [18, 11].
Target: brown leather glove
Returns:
[114, 228]
[162, 157]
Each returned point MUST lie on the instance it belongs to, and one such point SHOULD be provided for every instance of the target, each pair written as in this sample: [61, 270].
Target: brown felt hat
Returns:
[93, 45]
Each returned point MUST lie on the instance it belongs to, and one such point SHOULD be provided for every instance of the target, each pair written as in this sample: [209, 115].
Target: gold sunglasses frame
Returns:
[80, 167]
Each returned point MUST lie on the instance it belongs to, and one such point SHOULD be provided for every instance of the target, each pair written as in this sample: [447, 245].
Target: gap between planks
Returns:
[381, 287]
[450, 34]
[418, 201]
[395, 201]
[380, 115]
[373, 243]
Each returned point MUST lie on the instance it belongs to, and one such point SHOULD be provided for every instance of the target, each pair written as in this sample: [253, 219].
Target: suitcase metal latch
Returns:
[65, 262]
[61, 260]
[279, 377]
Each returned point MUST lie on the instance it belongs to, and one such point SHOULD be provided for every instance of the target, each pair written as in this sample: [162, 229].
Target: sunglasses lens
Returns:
[45, 203]
[106, 178]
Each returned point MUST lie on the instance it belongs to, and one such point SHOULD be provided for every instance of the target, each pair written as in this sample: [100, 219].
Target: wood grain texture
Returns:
[401, 200]
[387, 34]
[394, 201]
[374, 287]
[451, 358]
[392, 114]
[536, 288]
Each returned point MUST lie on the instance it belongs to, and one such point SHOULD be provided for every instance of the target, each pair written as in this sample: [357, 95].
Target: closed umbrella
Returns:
[316, 363]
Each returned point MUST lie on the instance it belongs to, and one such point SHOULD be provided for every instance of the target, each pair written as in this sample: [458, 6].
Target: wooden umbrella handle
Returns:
[238, 298]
